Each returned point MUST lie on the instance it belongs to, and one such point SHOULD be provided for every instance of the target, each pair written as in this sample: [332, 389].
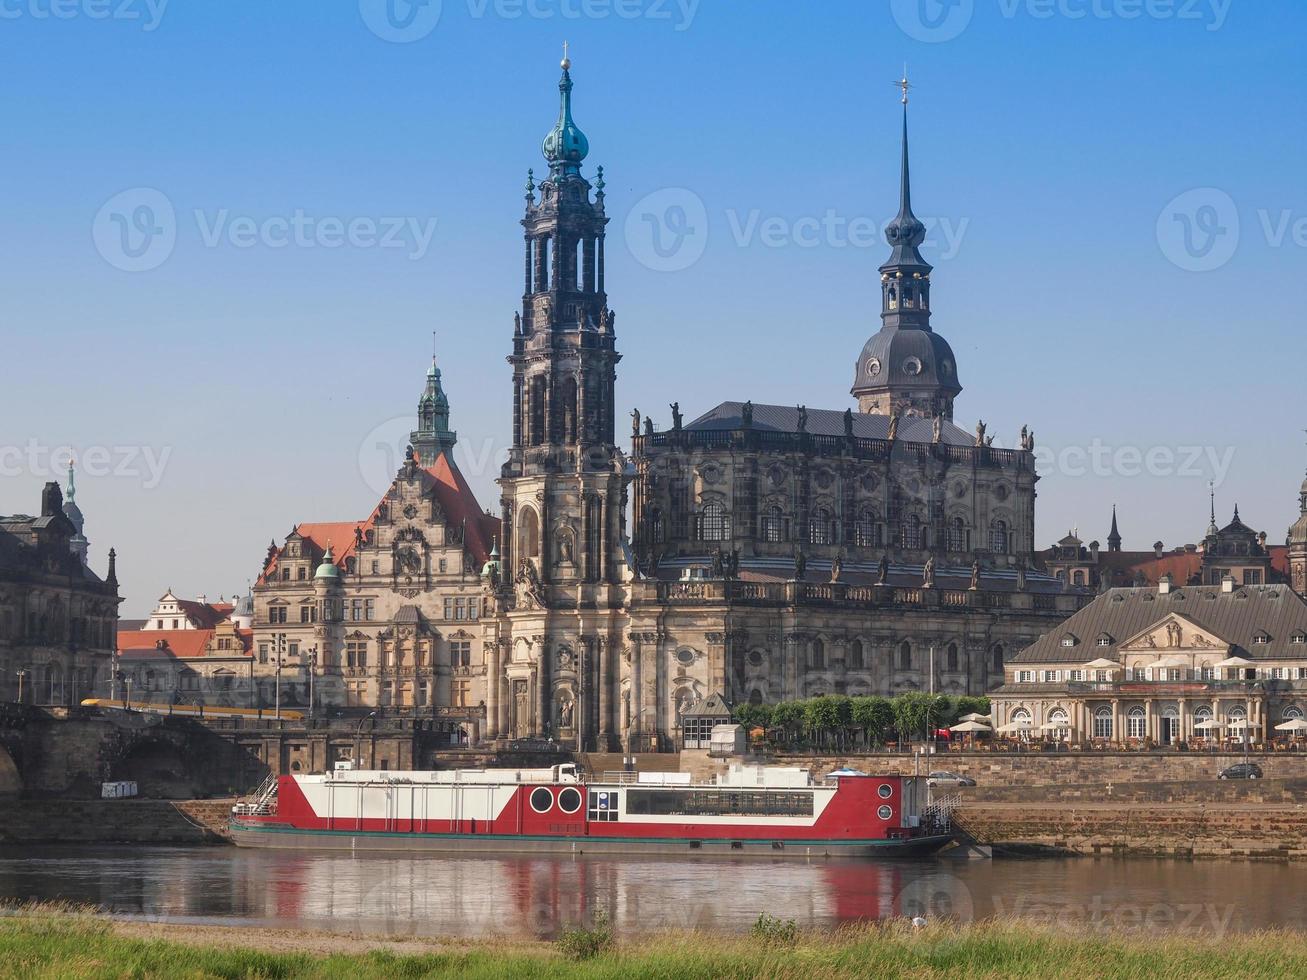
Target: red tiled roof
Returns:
[203, 614]
[183, 644]
[455, 497]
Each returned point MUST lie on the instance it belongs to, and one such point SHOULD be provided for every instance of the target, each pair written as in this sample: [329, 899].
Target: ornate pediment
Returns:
[1174, 632]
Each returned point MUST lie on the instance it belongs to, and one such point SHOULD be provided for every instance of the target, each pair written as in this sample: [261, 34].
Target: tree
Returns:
[789, 717]
[874, 716]
[910, 712]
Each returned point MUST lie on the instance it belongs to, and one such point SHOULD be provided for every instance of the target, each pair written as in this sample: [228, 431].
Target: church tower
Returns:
[1298, 545]
[906, 368]
[562, 485]
[433, 435]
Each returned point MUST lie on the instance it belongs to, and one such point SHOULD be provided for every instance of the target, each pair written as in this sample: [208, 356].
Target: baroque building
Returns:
[58, 618]
[383, 611]
[774, 552]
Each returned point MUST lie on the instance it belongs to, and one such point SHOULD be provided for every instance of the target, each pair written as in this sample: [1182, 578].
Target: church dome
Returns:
[565, 146]
[909, 358]
[327, 570]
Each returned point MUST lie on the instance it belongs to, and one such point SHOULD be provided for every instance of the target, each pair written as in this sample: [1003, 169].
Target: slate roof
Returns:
[1236, 617]
[828, 422]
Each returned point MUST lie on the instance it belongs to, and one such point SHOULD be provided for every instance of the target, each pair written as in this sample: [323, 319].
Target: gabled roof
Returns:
[179, 644]
[1236, 617]
[452, 492]
[828, 422]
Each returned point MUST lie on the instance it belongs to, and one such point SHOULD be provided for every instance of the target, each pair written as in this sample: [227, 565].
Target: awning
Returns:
[1204, 726]
[1014, 726]
[1102, 663]
[976, 716]
[1292, 725]
[970, 726]
[1234, 662]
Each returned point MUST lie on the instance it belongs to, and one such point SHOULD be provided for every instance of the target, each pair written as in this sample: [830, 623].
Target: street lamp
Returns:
[358, 736]
[21, 675]
[279, 648]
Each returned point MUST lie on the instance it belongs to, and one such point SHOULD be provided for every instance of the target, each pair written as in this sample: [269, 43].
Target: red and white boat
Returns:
[750, 810]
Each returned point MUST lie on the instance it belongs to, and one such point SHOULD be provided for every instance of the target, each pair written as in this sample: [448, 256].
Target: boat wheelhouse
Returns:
[746, 810]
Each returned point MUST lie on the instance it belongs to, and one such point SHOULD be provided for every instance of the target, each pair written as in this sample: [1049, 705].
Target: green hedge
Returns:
[835, 721]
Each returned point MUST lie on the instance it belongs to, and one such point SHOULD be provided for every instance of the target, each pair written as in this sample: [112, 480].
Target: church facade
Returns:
[772, 552]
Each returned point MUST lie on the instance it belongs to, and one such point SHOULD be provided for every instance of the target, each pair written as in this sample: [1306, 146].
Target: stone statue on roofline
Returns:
[746, 415]
[882, 570]
[928, 574]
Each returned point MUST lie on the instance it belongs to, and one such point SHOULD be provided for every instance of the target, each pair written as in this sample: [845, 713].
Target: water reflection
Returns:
[430, 896]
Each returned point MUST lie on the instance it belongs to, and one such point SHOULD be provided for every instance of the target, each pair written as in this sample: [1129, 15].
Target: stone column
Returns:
[542, 687]
[1148, 720]
[1117, 734]
[607, 652]
[492, 691]
[637, 686]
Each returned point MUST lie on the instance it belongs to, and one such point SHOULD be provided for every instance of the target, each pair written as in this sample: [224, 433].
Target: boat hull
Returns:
[270, 835]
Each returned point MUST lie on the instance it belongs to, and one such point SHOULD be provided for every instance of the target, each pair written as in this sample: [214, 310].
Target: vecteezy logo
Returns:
[1199, 230]
[932, 21]
[400, 21]
[667, 231]
[381, 453]
[135, 230]
[936, 895]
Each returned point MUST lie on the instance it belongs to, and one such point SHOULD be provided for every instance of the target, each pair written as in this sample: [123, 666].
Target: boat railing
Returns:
[621, 777]
[938, 814]
[262, 802]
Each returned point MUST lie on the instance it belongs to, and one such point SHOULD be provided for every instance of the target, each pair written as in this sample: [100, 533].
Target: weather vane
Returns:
[904, 84]
[567, 61]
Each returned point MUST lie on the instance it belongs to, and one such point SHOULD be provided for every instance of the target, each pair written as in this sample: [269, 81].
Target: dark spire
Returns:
[1114, 536]
[112, 577]
[905, 275]
[1212, 529]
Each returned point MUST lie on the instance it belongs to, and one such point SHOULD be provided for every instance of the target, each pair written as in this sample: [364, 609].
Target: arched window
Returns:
[714, 525]
[893, 298]
[957, 535]
[905, 655]
[865, 530]
[818, 659]
[773, 526]
[755, 696]
[1292, 712]
[951, 658]
[1058, 717]
[998, 541]
[528, 534]
[1136, 723]
[997, 654]
[1103, 721]
[822, 530]
[855, 655]
[910, 533]
[1021, 718]
[657, 526]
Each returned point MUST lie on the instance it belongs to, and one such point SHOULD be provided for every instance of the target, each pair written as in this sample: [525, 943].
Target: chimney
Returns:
[1093, 551]
[1227, 584]
[52, 500]
[1157, 549]
[1164, 585]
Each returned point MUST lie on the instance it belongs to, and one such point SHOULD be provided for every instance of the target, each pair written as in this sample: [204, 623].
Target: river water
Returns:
[446, 896]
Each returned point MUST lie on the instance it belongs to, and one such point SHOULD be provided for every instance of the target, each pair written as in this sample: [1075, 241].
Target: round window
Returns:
[885, 790]
[884, 813]
[541, 800]
[685, 657]
[569, 800]
[755, 659]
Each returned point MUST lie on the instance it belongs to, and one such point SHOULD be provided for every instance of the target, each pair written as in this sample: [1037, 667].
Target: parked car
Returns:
[942, 778]
[1241, 770]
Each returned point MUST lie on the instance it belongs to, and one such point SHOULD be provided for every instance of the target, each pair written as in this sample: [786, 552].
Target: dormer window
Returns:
[1068, 640]
[1298, 637]
[1261, 637]
[1104, 640]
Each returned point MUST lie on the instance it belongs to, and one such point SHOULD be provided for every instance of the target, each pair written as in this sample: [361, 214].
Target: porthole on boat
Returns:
[542, 801]
[885, 790]
[884, 813]
[569, 800]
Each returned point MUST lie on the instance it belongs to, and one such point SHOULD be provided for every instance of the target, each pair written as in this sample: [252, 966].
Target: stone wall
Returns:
[1234, 831]
[100, 821]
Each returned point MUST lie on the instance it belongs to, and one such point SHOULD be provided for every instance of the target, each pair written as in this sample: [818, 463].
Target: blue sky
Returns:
[1114, 187]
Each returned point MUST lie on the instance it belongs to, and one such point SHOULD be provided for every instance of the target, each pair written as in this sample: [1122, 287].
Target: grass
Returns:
[44, 942]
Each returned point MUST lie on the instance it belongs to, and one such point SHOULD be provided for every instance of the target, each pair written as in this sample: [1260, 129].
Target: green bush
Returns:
[772, 931]
[580, 943]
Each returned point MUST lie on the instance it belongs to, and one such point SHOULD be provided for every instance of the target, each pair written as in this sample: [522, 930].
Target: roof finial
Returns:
[71, 493]
[904, 84]
[567, 62]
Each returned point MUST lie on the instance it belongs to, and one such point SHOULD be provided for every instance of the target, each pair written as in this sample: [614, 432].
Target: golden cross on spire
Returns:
[567, 61]
[904, 84]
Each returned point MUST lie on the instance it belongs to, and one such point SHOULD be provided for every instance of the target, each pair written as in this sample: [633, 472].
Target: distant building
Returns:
[1236, 550]
[209, 665]
[1164, 664]
[384, 611]
[57, 617]
[172, 614]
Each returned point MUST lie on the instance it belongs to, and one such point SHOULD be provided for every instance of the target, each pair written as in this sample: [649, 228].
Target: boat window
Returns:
[884, 813]
[603, 805]
[885, 790]
[541, 800]
[569, 800]
[717, 803]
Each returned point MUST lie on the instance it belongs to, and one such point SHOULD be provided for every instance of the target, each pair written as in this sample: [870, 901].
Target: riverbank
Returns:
[114, 821]
[45, 943]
